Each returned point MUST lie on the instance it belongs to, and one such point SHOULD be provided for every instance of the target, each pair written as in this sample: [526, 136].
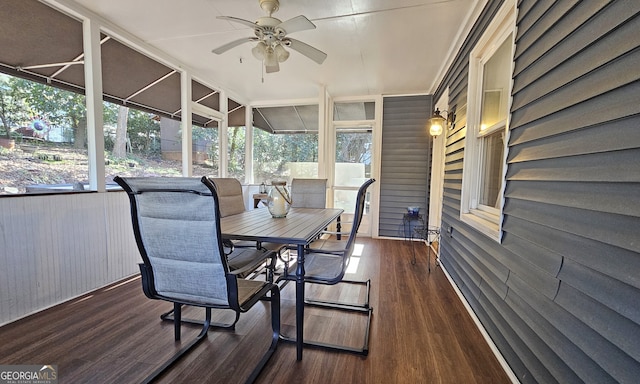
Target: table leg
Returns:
[300, 302]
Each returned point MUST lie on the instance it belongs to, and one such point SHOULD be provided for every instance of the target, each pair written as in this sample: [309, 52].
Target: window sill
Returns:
[484, 223]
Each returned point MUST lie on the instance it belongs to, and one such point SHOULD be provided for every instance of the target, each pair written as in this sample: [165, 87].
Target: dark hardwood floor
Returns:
[420, 333]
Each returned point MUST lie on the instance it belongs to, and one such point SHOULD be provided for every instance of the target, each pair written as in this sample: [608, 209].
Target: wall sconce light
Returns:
[437, 122]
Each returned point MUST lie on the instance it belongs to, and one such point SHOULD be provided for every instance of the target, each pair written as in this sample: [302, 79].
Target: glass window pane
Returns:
[353, 156]
[491, 182]
[352, 168]
[284, 156]
[495, 86]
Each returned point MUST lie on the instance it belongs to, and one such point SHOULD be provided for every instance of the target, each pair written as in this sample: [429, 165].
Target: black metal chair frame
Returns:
[357, 307]
[148, 286]
[358, 213]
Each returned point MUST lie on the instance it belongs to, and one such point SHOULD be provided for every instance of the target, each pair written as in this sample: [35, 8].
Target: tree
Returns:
[207, 139]
[272, 152]
[60, 107]
[144, 132]
[353, 147]
[120, 146]
[12, 108]
[235, 167]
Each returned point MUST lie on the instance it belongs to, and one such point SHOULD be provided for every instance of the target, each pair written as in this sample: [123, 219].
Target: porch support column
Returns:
[93, 97]
[223, 135]
[186, 124]
[248, 142]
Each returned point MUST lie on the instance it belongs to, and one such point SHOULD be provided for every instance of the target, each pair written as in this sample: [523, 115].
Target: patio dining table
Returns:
[300, 227]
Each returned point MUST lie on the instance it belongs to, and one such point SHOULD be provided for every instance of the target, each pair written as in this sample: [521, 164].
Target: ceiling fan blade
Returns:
[313, 53]
[298, 23]
[272, 68]
[223, 48]
[248, 23]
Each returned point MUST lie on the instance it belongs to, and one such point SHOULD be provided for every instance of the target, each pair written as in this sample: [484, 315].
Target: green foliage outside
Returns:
[272, 152]
[21, 101]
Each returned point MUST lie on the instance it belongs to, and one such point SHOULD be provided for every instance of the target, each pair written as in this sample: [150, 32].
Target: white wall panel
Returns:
[57, 247]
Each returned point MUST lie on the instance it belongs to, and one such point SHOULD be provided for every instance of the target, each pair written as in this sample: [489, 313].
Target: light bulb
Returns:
[259, 50]
[435, 129]
[281, 53]
[270, 59]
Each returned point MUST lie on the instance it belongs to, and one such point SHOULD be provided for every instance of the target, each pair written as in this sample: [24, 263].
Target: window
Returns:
[490, 73]
[284, 156]
[42, 138]
[134, 145]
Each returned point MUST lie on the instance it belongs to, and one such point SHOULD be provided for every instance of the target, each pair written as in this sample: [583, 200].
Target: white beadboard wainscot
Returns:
[57, 247]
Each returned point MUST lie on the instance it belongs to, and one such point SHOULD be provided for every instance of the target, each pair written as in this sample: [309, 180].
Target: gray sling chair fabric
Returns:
[329, 268]
[311, 193]
[176, 223]
[231, 198]
[307, 193]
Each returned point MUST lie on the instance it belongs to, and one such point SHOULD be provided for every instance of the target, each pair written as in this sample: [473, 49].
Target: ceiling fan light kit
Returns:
[271, 35]
[259, 50]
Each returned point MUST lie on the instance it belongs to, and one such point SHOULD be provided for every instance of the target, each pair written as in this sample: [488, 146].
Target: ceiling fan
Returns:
[272, 37]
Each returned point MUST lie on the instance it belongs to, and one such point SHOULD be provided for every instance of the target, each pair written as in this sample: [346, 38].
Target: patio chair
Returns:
[231, 198]
[311, 193]
[337, 246]
[176, 223]
[242, 261]
[329, 268]
[307, 193]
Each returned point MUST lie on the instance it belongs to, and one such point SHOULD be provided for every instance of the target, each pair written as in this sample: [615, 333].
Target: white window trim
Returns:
[486, 220]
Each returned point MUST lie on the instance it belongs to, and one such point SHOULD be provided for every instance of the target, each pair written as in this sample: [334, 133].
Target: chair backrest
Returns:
[359, 211]
[348, 250]
[176, 223]
[229, 192]
[309, 193]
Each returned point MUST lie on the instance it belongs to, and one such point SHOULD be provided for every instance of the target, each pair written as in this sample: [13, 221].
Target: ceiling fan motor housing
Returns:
[269, 33]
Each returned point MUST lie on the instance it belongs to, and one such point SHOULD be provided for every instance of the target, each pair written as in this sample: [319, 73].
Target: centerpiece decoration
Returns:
[279, 201]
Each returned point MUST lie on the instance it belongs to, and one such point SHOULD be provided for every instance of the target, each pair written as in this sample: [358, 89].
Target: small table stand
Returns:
[428, 234]
[407, 218]
[258, 197]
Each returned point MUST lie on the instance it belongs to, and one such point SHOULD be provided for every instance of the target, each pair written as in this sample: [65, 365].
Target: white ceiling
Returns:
[373, 46]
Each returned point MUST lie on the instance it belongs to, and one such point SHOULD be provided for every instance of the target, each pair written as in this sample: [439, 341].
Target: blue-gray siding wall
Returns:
[406, 163]
[561, 295]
